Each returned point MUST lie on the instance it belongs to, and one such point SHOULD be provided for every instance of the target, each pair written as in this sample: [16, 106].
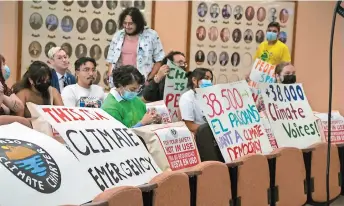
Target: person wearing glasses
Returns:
[135, 44]
[154, 91]
[123, 102]
[84, 93]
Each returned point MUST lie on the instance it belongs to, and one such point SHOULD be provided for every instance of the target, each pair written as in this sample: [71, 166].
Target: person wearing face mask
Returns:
[35, 87]
[154, 91]
[122, 102]
[135, 44]
[190, 111]
[84, 93]
[9, 102]
[285, 73]
[272, 50]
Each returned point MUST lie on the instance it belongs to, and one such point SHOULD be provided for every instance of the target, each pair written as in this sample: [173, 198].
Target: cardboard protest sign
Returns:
[37, 170]
[171, 145]
[175, 85]
[234, 120]
[110, 153]
[290, 115]
[337, 126]
[159, 108]
[262, 72]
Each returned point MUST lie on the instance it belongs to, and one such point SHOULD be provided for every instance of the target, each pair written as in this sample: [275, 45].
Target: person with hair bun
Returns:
[154, 91]
[123, 102]
[191, 112]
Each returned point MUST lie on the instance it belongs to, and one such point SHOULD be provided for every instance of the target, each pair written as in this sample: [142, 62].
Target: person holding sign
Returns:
[272, 50]
[191, 112]
[84, 93]
[285, 73]
[155, 89]
[35, 87]
[123, 104]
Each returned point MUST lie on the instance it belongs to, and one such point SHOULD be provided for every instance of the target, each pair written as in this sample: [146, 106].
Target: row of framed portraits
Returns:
[224, 36]
[81, 28]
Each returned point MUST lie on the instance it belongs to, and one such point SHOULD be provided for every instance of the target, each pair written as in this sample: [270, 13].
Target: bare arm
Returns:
[192, 126]
[13, 103]
[8, 119]
[22, 96]
[57, 99]
[154, 71]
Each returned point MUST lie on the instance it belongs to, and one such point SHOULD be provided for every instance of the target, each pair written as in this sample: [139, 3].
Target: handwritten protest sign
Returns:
[234, 120]
[37, 170]
[290, 115]
[110, 153]
[175, 86]
[337, 126]
[159, 108]
[179, 146]
[262, 72]
[269, 132]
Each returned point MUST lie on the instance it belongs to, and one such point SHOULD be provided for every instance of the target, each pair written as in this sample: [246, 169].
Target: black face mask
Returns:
[289, 79]
[43, 87]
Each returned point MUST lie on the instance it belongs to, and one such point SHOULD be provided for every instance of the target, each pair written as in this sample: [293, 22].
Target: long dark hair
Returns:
[136, 16]
[37, 72]
[198, 74]
[7, 91]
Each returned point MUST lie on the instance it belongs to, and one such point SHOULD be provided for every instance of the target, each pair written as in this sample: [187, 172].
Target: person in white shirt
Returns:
[190, 110]
[84, 93]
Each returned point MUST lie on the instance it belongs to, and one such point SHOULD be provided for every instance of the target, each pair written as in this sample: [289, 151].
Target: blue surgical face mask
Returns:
[129, 95]
[205, 83]
[271, 36]
[7, 72]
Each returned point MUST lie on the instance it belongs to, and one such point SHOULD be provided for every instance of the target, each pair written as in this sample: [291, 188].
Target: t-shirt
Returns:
[128, 113]
[190, 110]
[273, 54]
[77, 96]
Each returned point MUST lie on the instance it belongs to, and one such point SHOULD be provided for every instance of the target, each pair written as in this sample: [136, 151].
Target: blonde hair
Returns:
[53, 51]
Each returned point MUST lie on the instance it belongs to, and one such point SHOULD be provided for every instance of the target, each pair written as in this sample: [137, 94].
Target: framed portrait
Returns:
[81, 28]
[224, 36]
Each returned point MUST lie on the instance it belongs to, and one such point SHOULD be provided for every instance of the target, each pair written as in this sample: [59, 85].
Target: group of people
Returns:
[137, 67]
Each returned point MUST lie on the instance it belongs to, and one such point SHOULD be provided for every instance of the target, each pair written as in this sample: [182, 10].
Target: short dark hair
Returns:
[125, 75]
[275, 24]
[82, 61]
[170, 56]
[198, 74]
[279, 68]
[136, 16]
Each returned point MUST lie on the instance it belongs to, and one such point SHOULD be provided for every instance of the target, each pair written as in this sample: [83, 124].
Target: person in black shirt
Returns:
[154, 91]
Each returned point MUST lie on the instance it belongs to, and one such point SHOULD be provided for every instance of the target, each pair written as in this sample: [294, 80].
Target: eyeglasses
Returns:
[87, 69]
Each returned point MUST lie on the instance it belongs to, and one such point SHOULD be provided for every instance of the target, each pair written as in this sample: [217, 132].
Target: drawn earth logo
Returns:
[31, 164]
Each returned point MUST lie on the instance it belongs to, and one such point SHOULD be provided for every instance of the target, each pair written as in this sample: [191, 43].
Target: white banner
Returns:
[110, 153]
[234, 120]
[337, 126]
[35, 169]
[290, 115]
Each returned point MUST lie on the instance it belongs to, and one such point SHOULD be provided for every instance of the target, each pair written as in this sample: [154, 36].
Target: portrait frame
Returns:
[42, 35]
[242, 47]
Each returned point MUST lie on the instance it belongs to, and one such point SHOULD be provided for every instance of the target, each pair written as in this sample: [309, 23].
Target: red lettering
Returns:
[80, 117]
[61, 114]
[48, 110]
[100, 116]
[169, 98]
[251, 147]
[70, 113]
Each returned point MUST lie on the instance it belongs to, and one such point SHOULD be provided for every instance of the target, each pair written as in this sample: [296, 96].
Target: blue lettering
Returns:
[225, 140]
[244, 117]
[213, 122]
[238, 137]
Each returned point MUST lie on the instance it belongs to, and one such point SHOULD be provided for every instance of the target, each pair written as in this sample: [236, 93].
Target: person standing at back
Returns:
[135, 45]
[84, 93]
[59, 60]
[272, 50]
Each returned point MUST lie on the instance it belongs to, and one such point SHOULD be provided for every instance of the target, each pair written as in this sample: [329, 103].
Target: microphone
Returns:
[337, 10]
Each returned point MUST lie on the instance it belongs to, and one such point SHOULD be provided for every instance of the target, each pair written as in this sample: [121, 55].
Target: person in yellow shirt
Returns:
[272, 50]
